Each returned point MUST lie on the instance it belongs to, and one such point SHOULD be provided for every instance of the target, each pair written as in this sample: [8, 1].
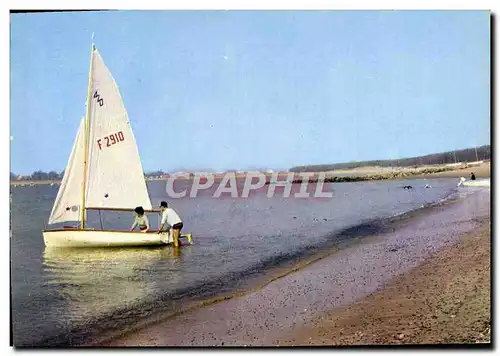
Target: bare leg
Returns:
[176, 237]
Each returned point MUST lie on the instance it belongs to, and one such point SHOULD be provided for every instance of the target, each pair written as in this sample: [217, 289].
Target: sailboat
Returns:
[104, 171]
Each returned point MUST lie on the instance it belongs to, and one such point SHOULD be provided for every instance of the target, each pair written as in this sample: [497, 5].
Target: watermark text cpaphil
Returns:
[305, 185]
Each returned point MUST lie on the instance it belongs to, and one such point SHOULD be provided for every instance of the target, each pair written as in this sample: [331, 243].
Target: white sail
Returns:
[115, 177]
[69, 198]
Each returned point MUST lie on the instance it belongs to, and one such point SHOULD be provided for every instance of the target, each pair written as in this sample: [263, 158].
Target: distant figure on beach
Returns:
[141, 220]
[170, 218]
[472, 176]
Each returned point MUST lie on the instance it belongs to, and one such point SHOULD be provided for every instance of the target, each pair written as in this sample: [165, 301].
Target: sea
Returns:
[66, 297]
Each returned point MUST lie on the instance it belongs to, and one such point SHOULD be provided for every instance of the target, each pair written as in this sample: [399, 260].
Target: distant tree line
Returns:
[465, 155]
[38, 175]
[154, 174]
[161, 173]
[53, 175]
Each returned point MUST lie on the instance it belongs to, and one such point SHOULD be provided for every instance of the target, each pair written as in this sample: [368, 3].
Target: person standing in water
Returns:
[472, 176]
[170, 218]
[141, 220]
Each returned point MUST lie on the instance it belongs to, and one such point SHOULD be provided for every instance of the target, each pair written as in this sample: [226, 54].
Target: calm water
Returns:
[56, 292]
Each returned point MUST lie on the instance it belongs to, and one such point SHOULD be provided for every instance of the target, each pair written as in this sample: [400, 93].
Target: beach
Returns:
[425, 281]
[262, 272]
[445, 300]
[480, 170]
[241, 246]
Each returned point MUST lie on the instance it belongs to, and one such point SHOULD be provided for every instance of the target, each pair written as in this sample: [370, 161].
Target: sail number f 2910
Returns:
[110, 140]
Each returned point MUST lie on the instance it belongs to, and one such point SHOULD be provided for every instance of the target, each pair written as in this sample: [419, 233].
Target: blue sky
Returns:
[256, 89]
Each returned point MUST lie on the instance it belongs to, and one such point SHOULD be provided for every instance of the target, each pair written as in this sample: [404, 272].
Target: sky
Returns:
[255, 89]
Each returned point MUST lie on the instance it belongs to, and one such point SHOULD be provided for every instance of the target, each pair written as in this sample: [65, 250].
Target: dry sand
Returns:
[482, 171]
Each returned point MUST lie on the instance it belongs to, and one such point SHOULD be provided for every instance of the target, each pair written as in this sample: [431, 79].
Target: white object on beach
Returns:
[474, 183]
[104, 171]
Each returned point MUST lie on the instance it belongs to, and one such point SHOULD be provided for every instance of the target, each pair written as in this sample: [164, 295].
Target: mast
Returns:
[86, 140]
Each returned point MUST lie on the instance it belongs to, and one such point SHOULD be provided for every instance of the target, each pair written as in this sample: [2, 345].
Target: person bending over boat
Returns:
[141, 220]
[170, 218]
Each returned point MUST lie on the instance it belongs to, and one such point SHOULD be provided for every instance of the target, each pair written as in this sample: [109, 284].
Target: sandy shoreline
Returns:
[482, 171]
[392, 173]
[298, 308]
[444, 300]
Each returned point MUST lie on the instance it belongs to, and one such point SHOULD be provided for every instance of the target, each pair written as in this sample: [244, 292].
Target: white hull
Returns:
[102, 238]
[475, 183]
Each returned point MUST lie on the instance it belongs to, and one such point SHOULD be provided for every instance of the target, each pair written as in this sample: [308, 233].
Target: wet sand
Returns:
[288, 308]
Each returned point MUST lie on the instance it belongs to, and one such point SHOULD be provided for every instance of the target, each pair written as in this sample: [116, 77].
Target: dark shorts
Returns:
[142, 228]
[178, 226]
